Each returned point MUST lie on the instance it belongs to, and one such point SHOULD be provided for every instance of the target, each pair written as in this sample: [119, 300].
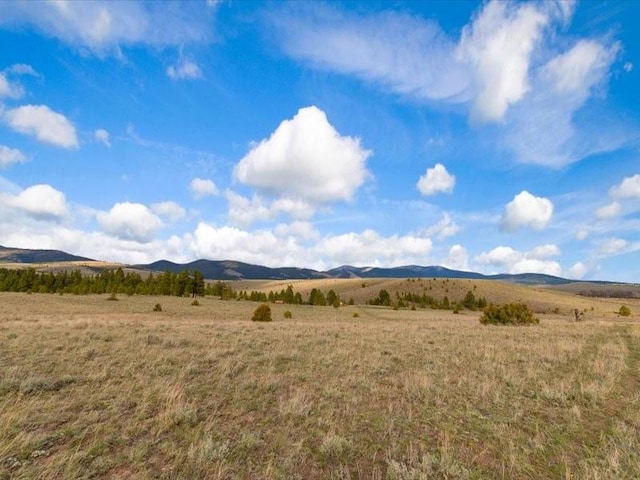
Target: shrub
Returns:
[157, 307]
[335, 448]
[508, 314]
[112, 298]
[262, 313]
[624, 311]
[195, 303]
[356, 315]
[288, 314]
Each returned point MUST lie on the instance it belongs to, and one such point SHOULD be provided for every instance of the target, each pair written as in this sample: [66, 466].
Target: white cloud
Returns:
[500, 256]
[103, 27]
[228, 243]
[509, 260]
[458, 258]
[372, 249]
[406, 54]
[488, 65]
[96, 245]
[244, 211]
[561, 88]
[533, 265]
[169, 210]
[306, 158]
[628, 188]
[8, 88]
[184, 70]
[436, 180]
[10, 155]
[39, 201]
[582, 234]
[610, 210]
[444, 228]
[571, 73]
[298, 244]
[298, 229]
[499, 45]
[201, 187]
[611, 246]
[578, 270]
[22, 69]
[505, 67]
[544, 251]
[526, 210]
[102, 136]
[628, 67]
[130, 221]
[294, 207]
[44, 124]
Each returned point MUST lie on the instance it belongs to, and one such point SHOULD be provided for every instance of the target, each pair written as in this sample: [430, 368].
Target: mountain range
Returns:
[233, 270]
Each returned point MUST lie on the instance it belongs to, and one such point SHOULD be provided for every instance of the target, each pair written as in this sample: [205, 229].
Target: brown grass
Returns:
[540, 298]
[90, 389]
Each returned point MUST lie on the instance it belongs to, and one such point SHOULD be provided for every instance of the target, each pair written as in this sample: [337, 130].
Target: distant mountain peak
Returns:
[23, 255]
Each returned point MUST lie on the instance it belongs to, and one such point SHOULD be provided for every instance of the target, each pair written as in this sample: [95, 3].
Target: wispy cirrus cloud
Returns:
[104, 27]
[407, 54]
[511, 66]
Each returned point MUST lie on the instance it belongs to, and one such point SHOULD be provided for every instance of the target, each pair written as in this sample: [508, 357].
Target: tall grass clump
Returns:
[508, 314]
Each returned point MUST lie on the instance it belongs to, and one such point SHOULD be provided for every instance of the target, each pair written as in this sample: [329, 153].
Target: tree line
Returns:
[115, 281]
[406, 299]
[192, 283]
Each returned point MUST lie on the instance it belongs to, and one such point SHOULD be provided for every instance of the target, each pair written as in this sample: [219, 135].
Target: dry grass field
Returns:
[91, 388]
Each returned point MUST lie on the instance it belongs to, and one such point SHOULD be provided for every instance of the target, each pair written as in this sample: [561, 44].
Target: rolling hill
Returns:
[21, 255]
[234, 270]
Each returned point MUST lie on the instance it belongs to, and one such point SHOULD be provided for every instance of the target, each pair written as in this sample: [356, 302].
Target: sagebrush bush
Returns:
[262, 313]
[112, 298]
[508, 314]
[288, 314]
[624, 311]
[195, 303]
[157, 307]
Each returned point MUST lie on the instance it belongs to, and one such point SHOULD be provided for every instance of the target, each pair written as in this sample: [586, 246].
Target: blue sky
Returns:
[495, 136]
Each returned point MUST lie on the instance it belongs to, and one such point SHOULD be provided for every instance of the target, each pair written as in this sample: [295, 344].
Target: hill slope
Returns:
[21, 255]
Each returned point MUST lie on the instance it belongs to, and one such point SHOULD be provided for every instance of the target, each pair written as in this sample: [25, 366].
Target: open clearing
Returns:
[91, 388]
